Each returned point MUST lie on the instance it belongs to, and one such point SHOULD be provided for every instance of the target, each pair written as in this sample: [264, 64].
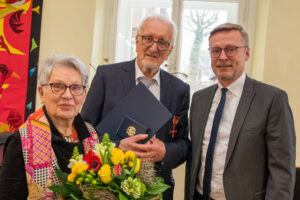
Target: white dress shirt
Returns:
[233, 96]
[155, 87]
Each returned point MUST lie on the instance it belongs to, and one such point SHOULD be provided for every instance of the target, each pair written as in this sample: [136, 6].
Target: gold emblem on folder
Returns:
[131, 131]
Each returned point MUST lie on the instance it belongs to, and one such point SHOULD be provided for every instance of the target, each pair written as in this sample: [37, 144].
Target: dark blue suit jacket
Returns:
[112, 82]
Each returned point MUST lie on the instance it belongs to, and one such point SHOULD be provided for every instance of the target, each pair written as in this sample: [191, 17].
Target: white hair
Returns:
[163, 18]
[65, 60]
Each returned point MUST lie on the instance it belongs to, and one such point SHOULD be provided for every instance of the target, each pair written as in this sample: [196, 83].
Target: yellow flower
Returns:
[79, 167]
[71, 177]
[130, 164]
[129, 156]
[105, 173]
[117, 156]
[129, 159]
[137, 166]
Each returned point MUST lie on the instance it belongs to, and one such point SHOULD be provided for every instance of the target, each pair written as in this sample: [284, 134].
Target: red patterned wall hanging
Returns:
[20, 22]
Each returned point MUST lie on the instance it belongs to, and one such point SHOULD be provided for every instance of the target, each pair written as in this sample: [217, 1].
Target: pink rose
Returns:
[117, 170]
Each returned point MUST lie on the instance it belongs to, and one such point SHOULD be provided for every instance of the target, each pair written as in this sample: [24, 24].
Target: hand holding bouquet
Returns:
[106, 172]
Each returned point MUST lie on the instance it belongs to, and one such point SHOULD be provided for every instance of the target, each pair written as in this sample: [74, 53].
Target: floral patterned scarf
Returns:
[39, 156]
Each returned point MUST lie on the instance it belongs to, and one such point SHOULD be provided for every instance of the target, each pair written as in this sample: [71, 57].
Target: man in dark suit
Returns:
[243, 140]
[154, 42]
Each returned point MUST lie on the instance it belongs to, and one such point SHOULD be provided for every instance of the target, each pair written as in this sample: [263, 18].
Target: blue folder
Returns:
[138, 112]
[130, 127]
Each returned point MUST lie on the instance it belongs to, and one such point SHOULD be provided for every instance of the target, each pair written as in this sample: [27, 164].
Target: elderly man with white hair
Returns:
[155, 41]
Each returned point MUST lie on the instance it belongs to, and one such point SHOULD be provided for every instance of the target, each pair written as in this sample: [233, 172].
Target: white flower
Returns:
[72, 161]
[101, 149]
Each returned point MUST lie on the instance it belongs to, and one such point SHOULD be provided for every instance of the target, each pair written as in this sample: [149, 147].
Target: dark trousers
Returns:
[198, 196]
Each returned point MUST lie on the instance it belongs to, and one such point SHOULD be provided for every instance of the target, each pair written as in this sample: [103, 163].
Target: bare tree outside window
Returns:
[195, 59]
[199, 23]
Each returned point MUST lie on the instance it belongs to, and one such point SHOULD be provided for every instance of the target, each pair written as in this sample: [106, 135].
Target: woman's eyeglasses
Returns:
[60, 88]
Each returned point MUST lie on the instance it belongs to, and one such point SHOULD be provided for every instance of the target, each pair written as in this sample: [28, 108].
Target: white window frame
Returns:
[246, 17]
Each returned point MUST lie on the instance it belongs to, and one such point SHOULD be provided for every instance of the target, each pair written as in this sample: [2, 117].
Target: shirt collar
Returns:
[236, 88]
[139, 73]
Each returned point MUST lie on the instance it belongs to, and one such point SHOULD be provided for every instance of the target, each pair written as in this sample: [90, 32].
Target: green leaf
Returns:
[125, 171]
[133, 167]
[60, 189]
[158, 180]
[122, 196]
[74, 197]
[118, 180]
[159, 186]
[105, 161]
[74, 188]
[158, 189]
[160, 197]
[143, 187]
[115, 186]
[151, 196]
[62, 176]
[148, 197]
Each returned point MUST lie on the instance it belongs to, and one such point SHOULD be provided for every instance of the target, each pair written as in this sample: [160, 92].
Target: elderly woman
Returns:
[47, 139]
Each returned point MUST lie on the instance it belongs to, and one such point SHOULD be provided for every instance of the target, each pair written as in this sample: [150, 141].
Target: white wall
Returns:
[67, 27]
[282, 53]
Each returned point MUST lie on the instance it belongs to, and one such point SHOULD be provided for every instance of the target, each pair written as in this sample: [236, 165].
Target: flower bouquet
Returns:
[108, 173]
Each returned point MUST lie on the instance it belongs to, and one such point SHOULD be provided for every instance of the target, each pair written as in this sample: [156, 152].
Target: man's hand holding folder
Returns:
[153, 150]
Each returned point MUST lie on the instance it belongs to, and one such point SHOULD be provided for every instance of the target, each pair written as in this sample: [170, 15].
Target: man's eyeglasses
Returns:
[60, 88]
[148, 41]
[230, 51]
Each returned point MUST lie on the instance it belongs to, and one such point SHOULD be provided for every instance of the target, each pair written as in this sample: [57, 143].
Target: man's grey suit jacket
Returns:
[112, 82]
[260, 160]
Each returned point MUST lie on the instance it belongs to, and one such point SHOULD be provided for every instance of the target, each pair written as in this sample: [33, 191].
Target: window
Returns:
[198, 19]
[190, 59]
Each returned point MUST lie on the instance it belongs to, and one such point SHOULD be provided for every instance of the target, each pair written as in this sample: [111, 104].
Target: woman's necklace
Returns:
[72, 137]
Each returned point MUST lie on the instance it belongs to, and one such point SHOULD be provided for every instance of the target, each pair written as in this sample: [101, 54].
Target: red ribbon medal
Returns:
[175, 122]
